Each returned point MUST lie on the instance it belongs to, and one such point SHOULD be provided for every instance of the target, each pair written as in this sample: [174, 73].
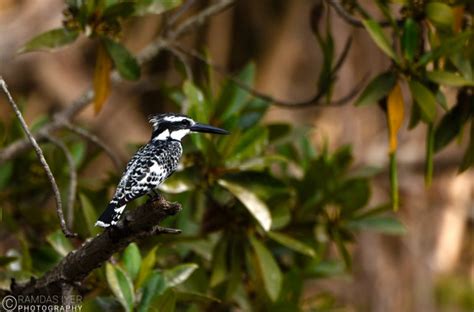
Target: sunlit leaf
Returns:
[449, 79]
[377, 89]
[146, 267]
[395, 114]
[268, 268]
[376, 32]
[425, 100]
[124, 61]
[121, 286]
[440, 14]
[103, 66]
[198, 108]
[50, 40]
[59, 242]
[179, 274]
[132, 260]
[179, 182]
[387, 225]
[155, 6]
[292, 243]
[254, 204]
[447, 47]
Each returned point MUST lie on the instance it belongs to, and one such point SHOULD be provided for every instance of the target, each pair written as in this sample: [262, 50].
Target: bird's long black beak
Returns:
[197, 127]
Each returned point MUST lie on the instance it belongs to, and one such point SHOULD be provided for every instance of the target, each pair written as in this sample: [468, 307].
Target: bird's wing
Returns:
[144, 172]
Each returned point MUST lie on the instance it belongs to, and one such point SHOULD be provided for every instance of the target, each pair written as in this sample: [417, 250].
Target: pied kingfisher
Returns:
[153, 162]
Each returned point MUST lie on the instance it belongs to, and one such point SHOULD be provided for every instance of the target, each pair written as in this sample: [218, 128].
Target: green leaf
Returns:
[376, 32]
[394, 181]
[155, 285]
[198, 107]
[179, 274]
[250, 144]
[146, 267]
[468, 158]
[269, 269]
[78, 152]
[327, 268]
[59, 242]
[353, 194]
[447, 78]
[233, 98]
[254, 204]
[6, 171]
[379, 87]
[440, 14]
[4, 260]
[387, 225]
[155, 6]
[292, 243]
[132, 260]
[219, 263]
[447, 47]
[120, 9]
[124, 61]
[121, 286]
[450, 126]
[165, 302]
[425, 100]
[179, 182]
[195, 297]
[49, 40]
[89, 213]
[410, 39]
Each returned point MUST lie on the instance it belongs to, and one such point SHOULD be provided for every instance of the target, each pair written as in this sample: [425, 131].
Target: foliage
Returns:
[264, 211]
[432, 52]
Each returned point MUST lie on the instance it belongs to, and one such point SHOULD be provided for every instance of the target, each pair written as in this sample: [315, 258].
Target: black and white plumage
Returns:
[153, 162]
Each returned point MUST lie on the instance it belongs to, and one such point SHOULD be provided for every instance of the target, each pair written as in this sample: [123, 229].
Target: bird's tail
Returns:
[111, 215]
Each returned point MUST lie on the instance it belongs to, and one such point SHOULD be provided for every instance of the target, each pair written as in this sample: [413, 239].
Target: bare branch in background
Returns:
[149, 52]
[312, 102]
[348, 17]
[71, 196]
[179, 12]
[182, 58]
[95, 140]
[44, 163]
[200, 18]
[78, 264]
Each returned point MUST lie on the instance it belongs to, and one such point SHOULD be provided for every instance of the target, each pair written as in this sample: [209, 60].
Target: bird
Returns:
[153, 163]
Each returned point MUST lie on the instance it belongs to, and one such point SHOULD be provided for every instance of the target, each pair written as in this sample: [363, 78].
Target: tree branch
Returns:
[42, 160]
[95, 140]
[149, 52]
[348, 17]
[78, 264]
[311, 102]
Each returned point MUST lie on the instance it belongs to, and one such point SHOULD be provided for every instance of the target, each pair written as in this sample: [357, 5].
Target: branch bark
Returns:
[78, 264]
[42, 160]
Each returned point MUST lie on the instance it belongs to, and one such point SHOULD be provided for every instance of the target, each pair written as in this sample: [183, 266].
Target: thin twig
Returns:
[95, 140]
[182, 9]
[71, 197]
[349, 18]
[148, 53]
[40, 155]
[200, 18]
[312, 102]
[182, 58]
